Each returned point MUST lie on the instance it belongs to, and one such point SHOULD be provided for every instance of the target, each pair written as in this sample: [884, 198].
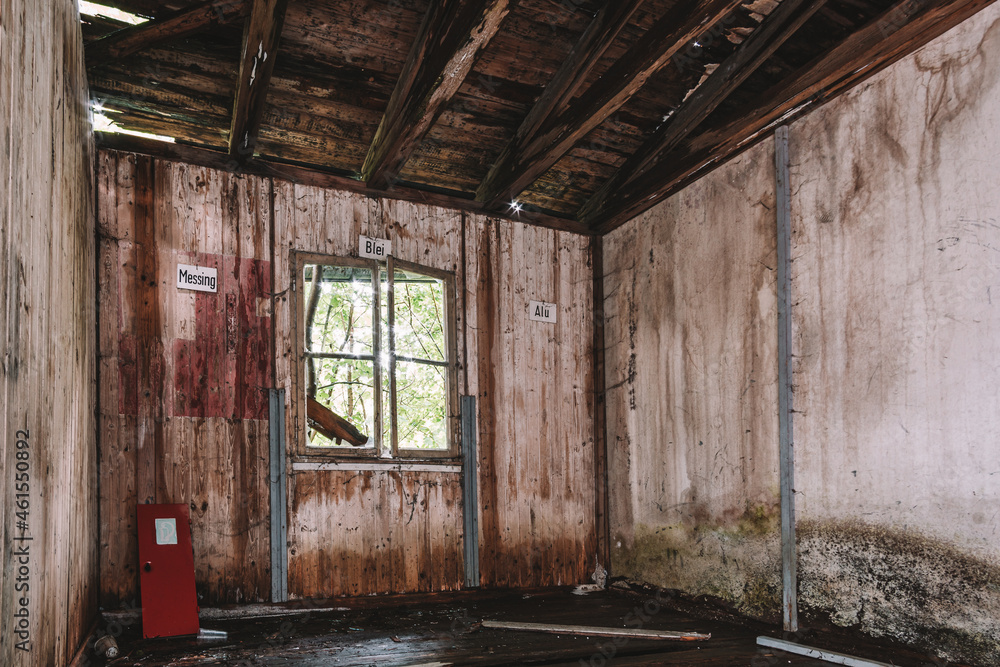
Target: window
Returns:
[377, 358]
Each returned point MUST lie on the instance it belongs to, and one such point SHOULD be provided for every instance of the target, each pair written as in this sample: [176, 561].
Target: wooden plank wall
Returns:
[534, 385]
[351, 532]
[357, 532]
[184, 375]
[47, 332]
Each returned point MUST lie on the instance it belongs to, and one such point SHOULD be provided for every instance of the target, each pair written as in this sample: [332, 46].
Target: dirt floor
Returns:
[445, 629]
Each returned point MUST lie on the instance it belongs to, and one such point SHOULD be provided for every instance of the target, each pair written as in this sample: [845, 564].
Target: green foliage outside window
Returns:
[341, 363]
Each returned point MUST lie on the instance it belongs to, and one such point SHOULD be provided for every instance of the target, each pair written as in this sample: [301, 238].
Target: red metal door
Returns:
[166, 567]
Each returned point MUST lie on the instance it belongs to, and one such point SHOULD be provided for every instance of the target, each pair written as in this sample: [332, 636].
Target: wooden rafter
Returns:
[123, 43]
[898, 31]
[684, 22]
[451, 37]
[260, 48]
[781, 24]
[318, 177]
[555, 99]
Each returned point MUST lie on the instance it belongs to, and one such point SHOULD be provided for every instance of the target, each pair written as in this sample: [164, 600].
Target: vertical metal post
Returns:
[786, 455]
[279, 507]
[470, 502]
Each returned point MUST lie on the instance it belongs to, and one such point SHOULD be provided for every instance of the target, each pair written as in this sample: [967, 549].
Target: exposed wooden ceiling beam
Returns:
[902, 28]
[449, 41]
[684, 21]
[123, 43]
[296, 173]
[554, 100]
[777, 27]
[260, 49]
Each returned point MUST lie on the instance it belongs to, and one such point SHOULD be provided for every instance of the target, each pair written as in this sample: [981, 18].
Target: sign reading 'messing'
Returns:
[201, 278]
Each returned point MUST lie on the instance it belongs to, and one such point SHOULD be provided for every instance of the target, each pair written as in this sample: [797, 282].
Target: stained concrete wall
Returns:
[896, 368]
[896, 280]
[692, 374]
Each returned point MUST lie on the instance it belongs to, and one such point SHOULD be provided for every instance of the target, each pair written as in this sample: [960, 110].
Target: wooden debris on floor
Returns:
[447, 629]
[827, 656]
[594, 631]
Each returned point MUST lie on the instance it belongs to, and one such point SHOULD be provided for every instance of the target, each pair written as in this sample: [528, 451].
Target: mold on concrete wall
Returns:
[692, 386]
[901, 584]
[896, 364]
[739, 563]
[896, 286]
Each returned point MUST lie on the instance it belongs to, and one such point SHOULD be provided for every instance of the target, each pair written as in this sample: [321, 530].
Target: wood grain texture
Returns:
[475, 104]
[875, 45]
[374, 532]
[535, 411]
[536, 481]
[184, 374]
[127, 41]
[767, 38]
[354, 532]
[537, 453]
[570, 76]
[48, 328]
[260, 51]
[448, 42]
[317, 177]
[683, 22]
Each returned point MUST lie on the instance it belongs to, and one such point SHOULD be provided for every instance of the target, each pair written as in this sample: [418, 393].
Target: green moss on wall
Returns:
[739, 563]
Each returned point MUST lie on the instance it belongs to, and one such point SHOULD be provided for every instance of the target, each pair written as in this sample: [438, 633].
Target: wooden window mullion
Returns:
[377, 348]
[391, 319]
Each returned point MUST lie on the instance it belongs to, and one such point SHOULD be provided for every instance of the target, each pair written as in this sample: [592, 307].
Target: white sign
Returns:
[166, 531]
[374, 248]
[541, 311]
[200, 278]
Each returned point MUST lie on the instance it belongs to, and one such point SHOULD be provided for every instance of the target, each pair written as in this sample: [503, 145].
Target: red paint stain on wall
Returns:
[225, 370]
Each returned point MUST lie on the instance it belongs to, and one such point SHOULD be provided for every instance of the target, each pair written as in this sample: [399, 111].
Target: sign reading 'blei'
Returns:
[201, 278]
[374, 248]
[541, 311]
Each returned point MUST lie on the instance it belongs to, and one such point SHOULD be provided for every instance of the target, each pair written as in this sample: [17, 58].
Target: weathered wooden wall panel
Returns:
[534, 383]
[354, 532]
[184, 375]
[534, 386]
[370, 532]
[897, 383]
[198, 436]
[48, 578]
[691, 336]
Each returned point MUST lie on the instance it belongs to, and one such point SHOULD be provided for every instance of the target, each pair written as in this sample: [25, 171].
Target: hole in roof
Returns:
[94, 9]
[103, 122]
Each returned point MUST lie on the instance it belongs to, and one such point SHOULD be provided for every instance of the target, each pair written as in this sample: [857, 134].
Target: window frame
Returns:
[380, 339]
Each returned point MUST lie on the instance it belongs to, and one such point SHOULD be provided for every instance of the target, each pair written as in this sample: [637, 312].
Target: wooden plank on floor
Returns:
[596, 631]
[832, 657]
